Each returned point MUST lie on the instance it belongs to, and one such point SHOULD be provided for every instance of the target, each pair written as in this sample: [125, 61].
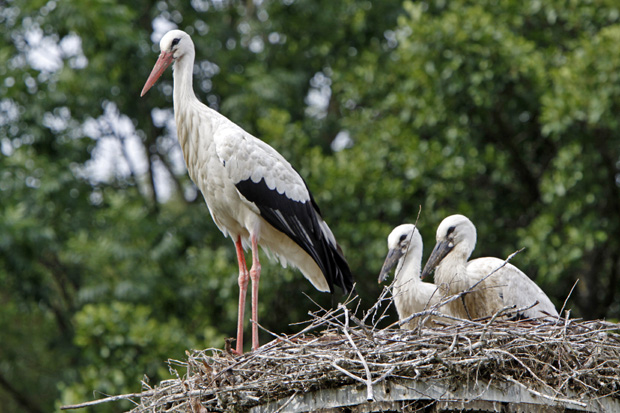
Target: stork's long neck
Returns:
[407, 279]
[452, 271]
[408, 269]
[183, 71]
[410, 293]
[193, 119]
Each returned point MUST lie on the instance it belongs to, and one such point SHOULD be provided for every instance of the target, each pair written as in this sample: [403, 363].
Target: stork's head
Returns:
[174, 45]
[455, 235]
[404, 240]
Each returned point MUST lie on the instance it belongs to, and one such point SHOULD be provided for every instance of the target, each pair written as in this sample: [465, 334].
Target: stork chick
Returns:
[508, 286]
[411, 294]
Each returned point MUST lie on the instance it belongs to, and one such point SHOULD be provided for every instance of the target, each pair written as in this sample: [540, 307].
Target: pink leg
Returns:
[255, 276]
[244, 278]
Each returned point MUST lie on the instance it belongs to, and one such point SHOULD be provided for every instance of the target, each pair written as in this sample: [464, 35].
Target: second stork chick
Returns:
[411, 294]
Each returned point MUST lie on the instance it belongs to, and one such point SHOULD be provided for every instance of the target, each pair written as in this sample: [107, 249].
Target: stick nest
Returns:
[557, 359]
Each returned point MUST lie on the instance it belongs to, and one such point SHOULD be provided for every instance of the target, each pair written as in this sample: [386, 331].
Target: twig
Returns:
[544, 396]
[567, 297]
[369, 393]
[435, 313]
[486, 327]
[107, 400]
[515, 358]
[290, 399]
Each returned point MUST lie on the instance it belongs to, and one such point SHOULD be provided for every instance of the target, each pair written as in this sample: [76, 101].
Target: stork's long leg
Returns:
[244, 279]
[255, 276]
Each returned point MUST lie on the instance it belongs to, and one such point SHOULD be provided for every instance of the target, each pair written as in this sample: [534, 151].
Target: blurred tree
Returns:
[580, 222]
[504, 112]
[109, 261]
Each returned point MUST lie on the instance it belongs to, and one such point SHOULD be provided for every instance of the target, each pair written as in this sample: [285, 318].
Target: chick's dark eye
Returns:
[451, 230]
[175, 41]
[402, 237]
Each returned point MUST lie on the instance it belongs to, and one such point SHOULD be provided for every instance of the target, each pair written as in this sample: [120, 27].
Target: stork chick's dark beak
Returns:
[390, 261]
[165, 60]
[442, 248]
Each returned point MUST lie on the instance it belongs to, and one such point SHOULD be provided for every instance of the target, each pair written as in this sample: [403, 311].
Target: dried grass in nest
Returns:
[553, 359]
[559, 358]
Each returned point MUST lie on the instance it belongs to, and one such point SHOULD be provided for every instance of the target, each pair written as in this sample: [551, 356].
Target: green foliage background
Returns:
[504, 111]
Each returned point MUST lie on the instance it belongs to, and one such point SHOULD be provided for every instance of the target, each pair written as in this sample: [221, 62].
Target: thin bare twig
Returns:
[107, 400]
[369, 393]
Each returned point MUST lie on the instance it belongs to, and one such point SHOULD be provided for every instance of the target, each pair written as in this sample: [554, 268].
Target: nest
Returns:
[564, 362]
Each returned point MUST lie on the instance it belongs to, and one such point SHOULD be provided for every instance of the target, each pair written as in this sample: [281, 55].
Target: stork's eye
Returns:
[450, 230]
[403, 237]
[176, 41]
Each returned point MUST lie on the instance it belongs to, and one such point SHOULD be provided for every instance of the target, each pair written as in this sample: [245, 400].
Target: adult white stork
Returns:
[508, 286]
[252, 192]
[411, 294]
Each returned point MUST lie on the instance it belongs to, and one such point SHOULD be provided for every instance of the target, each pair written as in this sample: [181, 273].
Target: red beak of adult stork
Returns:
[165, 60]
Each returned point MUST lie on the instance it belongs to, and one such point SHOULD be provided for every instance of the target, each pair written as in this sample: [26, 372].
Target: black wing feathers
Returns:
[300, 222]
